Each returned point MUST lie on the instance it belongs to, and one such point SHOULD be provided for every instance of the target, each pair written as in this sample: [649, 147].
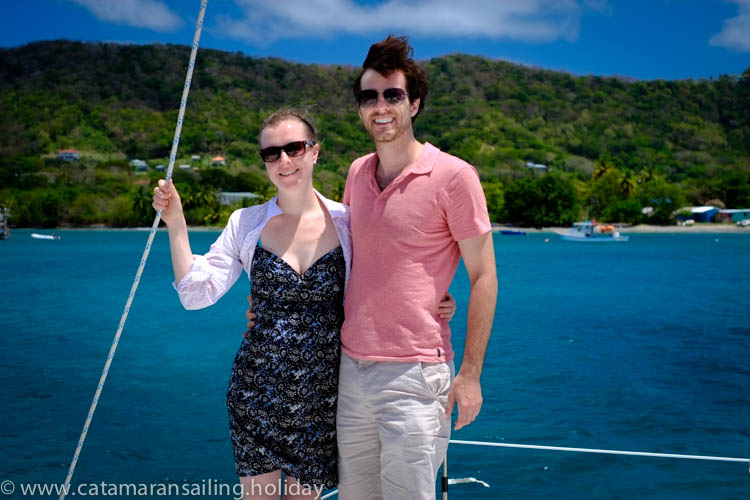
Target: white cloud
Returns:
[151, 14]
[736, 32]
[526, 20]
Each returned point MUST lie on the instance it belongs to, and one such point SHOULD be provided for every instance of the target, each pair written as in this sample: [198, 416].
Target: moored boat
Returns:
[591, 232]
[38, 236]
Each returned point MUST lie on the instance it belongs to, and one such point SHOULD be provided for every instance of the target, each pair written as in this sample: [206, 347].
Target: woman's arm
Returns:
[447, 308]
[167, 199]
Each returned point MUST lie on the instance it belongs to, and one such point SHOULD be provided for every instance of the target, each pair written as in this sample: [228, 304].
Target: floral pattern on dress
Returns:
[284, 383]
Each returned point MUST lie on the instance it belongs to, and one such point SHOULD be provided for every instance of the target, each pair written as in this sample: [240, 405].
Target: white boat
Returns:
[591, 232]
[38, 236]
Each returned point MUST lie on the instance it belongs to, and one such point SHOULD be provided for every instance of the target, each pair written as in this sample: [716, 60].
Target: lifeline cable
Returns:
[446, 481]
[172, 157]
[609, 452]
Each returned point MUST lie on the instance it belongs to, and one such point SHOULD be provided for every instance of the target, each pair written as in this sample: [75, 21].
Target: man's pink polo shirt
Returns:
[405, 253]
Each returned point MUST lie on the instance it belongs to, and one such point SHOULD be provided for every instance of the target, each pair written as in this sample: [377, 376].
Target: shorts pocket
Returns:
[436, 378]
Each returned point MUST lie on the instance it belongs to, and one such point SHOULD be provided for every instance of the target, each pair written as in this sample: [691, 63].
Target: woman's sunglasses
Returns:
[292, 150]
[369, 97]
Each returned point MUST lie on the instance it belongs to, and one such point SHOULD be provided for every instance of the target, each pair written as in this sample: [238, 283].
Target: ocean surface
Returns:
[643, 346]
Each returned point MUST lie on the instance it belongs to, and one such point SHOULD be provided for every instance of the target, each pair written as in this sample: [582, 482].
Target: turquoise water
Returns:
[643, 345]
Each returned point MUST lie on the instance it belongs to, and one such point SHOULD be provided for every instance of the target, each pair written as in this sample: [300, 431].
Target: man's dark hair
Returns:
[395, 54]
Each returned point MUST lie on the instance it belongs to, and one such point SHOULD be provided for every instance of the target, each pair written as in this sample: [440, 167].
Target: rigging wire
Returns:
[146, 251]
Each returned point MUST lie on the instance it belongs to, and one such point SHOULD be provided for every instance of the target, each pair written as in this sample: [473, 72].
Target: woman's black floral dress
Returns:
[282, 393]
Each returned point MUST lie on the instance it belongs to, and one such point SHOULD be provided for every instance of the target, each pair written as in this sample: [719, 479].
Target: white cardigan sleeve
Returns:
[213, 274]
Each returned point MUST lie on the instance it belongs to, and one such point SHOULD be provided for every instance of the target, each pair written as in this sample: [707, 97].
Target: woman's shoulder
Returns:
[250, 217]
[335, 208]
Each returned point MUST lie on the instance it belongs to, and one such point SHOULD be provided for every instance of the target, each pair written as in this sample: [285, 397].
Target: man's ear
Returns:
[414, 107]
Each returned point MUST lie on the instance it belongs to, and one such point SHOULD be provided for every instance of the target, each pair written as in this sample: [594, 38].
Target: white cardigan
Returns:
[213, 274]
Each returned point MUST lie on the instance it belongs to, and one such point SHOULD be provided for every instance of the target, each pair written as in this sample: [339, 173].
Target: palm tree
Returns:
[600, 170]
[205, 196]
[142, 205]
[628, 184]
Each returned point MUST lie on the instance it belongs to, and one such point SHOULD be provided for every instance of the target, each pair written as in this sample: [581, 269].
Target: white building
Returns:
[536, 166]
[227, 198]
[139, 165]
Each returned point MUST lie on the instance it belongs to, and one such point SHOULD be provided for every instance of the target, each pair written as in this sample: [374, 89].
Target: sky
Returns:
[642, 39]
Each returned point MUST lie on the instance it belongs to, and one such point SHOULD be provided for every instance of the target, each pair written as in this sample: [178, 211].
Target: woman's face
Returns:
[289, 172]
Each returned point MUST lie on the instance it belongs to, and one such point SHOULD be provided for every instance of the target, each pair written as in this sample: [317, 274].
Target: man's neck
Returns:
[394, 157]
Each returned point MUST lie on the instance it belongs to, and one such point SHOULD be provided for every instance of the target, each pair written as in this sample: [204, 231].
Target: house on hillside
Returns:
[227, 198]
[68, 155]
[139, 165]
[195, 158]
[218, 161]
[698, 214]
[734, 215]
[538, 167]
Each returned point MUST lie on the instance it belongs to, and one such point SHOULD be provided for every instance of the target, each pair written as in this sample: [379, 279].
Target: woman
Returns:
[296, 250]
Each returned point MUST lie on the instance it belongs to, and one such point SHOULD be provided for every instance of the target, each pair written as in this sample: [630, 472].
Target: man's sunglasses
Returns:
[369, 97]
[292, 150]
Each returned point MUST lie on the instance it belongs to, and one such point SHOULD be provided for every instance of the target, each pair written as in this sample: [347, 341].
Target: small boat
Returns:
[52, 236]
[512, 232]
[4, 229]
[592, 232]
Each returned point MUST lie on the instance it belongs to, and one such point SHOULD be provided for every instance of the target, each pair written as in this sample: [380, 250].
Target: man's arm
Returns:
[478, 254]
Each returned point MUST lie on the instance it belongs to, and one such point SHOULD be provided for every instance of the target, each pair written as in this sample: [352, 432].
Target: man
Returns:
[414, 211]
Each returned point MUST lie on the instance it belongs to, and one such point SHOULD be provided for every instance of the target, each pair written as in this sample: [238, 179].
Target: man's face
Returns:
[385, 121]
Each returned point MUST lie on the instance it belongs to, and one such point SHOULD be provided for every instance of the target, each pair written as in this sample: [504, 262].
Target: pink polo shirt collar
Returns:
[424, 165]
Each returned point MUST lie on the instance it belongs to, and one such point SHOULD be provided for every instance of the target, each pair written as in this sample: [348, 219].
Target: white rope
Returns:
[147, 250]
[465, 480]
[329, 495]
[610, 452]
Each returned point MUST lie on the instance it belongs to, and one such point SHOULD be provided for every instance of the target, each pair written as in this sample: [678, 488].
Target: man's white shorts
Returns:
[392, 429]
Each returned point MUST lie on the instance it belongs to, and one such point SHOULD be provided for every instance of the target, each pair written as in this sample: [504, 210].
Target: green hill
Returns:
[611, 146]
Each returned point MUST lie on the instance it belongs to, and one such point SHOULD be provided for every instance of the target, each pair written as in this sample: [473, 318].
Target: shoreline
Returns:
[98, 227]
[704, 228]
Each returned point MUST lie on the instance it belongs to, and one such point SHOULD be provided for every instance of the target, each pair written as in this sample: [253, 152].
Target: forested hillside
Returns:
[611, 146]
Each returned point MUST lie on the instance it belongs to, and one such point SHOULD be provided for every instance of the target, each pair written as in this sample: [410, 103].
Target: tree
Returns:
[143, 212]
[663, 197]
[218, 178]
[493, 192]
[549, 200]
[629, 211]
